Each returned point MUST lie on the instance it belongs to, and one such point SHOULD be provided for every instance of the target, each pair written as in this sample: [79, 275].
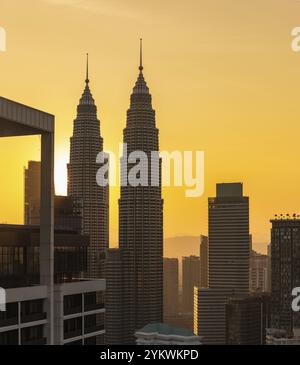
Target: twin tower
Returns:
[134, 272]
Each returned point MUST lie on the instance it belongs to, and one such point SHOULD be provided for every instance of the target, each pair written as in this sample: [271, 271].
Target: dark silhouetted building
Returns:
[210, 314]
[203, 261]
[20, 255]
[86, 144]
[229, 248]
[247, 319]
[269, 271]
[68, 211]
[141, 213]
[38, 310]
[140, 218]
[190, 279]
[258, 272]
[118, 298]
[285, 261]
[73, 298]
[228, 258]
[171, 287]
[32, 193]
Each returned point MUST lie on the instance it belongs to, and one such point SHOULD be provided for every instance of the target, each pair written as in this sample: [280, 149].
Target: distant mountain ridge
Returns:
[182, 246]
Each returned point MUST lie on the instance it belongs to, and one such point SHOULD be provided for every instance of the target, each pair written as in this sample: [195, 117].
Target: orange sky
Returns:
[223, 78]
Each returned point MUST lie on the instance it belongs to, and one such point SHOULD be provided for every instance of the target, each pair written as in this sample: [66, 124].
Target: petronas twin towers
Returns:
[134, 272]
[86, 143]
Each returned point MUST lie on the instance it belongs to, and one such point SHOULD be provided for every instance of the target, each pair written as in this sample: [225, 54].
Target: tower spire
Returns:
[141, 55]
[87, 98]
[87, 69]
[140, 85]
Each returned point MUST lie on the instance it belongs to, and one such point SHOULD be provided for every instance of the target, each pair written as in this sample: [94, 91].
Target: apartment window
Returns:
[93, 301]
[72, 327]
[32, 310]
[9, 338]
[93, 323]
[72, 304]
[95, 340]
[10, 316]
[33, 335]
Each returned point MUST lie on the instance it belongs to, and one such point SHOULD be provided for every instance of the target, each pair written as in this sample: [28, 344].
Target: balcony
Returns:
[73, 334]
[36, 342]
[33, 317]
[72, 310]
[93, 307]
[9, 322]
[93, 329]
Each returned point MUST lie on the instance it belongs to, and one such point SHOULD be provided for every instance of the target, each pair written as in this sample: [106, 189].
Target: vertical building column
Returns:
[58, 315]
[47, 228]
[19, 324]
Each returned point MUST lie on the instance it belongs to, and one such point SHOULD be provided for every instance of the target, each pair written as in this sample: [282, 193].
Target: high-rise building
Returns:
[210, 314]
[86, 144]
[67, 210]
[229, 248]
[247, 319]
[203, 261]
[285, 258]
[269, 270]
[258, 272]
[32, 193]
[118, 299]
[18, 120]
[228, 258]
[190, 279]
[74, 299]
[141, 211]
[68, 213]
[171, 287]
[40, 267]
[20, 255]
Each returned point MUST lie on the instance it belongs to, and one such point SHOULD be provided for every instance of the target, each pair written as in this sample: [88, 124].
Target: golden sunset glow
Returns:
[222, 74]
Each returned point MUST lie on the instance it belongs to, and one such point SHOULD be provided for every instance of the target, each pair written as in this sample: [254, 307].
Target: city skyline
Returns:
[183, 94]
[149, 191]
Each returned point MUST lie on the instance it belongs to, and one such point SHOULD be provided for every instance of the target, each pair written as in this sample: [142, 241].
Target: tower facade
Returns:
[141, 213]
[258, 272]
[86, 143]
[203, 261]
[171, 287]
[285, 261]
[191, 267]
[228, 261]
[229, 244]
[32, 193]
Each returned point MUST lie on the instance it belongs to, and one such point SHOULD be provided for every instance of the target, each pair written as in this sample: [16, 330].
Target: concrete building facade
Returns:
[19, 120]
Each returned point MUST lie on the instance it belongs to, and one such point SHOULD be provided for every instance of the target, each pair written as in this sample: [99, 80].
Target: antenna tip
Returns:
[87, 69]
[141, 55]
